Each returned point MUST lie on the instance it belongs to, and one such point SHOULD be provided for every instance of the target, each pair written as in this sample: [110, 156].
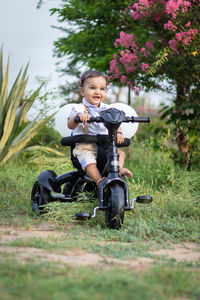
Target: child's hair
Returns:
[90, 74]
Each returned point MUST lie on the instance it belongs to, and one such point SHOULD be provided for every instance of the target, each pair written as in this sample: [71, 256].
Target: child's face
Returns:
[94, 90]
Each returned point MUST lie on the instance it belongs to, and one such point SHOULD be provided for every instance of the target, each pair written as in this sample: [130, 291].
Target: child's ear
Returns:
[81, 91]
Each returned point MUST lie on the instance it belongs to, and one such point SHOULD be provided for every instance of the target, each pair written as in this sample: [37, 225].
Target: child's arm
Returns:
[84, 117]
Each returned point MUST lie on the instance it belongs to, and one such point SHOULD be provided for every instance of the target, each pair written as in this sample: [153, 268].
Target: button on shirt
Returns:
[93, 128]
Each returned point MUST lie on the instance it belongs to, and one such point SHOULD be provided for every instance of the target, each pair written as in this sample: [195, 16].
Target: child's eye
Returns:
[103, 89]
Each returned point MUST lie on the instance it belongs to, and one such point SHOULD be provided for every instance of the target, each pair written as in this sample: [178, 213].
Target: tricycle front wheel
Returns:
[116, 201]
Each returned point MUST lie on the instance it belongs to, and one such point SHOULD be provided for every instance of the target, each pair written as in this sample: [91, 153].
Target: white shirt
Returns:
[93, 128]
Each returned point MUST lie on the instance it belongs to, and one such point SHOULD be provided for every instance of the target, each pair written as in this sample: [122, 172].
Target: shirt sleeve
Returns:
[77, 108]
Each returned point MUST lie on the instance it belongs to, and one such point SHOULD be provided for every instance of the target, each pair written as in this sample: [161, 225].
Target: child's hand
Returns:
[84, 117]
[120, 137]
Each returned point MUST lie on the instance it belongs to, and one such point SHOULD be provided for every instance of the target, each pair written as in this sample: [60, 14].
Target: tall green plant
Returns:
[12, 114]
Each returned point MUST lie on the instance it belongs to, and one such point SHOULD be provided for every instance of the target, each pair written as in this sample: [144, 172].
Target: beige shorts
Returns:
[86, 154]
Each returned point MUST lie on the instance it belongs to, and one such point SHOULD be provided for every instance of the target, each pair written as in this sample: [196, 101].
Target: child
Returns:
[93, 87]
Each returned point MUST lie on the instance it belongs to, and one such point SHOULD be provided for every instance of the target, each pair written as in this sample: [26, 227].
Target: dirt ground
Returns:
[184, 252]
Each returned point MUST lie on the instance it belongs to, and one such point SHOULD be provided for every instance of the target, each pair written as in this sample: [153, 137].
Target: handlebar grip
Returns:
[142, 119]
[137, 119]
[91, 120]
[77, 119]
[95, 119]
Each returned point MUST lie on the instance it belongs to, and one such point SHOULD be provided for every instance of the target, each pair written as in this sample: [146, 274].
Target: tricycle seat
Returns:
[103, 142]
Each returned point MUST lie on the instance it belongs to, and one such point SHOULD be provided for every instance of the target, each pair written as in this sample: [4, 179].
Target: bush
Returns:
[151, 163]
[48, 136]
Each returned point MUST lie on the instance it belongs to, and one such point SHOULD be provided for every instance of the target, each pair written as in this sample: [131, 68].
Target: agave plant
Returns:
[12, 114]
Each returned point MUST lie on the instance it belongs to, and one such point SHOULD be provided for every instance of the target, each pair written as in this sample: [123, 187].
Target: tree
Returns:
[167, 50]
[90, 31]
[71, 92]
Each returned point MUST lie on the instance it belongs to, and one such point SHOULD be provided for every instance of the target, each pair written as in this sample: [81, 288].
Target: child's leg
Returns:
[123, 171]
[86, 154]
[93, 172]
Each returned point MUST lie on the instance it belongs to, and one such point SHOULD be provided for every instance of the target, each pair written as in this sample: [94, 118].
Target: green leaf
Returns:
[10, 144]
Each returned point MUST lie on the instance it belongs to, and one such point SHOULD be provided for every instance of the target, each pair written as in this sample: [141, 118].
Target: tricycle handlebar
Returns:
[126, 119]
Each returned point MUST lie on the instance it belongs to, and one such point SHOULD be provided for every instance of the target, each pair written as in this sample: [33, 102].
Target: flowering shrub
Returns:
[173, 20]
[165, 46]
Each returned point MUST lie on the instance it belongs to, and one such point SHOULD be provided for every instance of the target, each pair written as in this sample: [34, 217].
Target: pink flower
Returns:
[157, 17]
[170, 26]
[130, 69]
[144, 3]
[172, 7]
[135, 15]
[173, 45]
[144, 67]
[187, 40]
[123, 79]
[188, 24]
[140, 9]
[125, 40]
[114, 67]
[186, 36]
[143, 52]
[185, 6]
[192, 32]
[179, 36]
[150, 45]
[134, 47]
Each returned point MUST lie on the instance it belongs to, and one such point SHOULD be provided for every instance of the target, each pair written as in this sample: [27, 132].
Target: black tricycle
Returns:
[113, 191]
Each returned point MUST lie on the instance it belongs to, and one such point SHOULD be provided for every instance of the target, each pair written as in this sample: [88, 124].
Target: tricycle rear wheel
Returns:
[39, 197]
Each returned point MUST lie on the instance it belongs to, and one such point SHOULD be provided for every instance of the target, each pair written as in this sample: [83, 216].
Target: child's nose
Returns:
[97, 91]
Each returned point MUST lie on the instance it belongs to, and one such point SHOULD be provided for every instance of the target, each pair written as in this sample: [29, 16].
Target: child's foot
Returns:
[126, 172]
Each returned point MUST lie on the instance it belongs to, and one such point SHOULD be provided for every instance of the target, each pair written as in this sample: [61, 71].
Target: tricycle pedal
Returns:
[83, 216]
[140, 199]
[144, 199]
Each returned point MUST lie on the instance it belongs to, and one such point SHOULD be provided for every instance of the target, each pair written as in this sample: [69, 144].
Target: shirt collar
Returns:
[102, 105]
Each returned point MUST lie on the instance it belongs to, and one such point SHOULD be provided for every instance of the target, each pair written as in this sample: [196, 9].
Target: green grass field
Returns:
[173, 219]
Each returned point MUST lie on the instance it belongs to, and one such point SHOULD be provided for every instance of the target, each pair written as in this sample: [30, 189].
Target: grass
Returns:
[103, 248]
[174, 216]
[47, 281]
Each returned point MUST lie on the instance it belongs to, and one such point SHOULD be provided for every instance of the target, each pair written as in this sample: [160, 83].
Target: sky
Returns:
[26, 34]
